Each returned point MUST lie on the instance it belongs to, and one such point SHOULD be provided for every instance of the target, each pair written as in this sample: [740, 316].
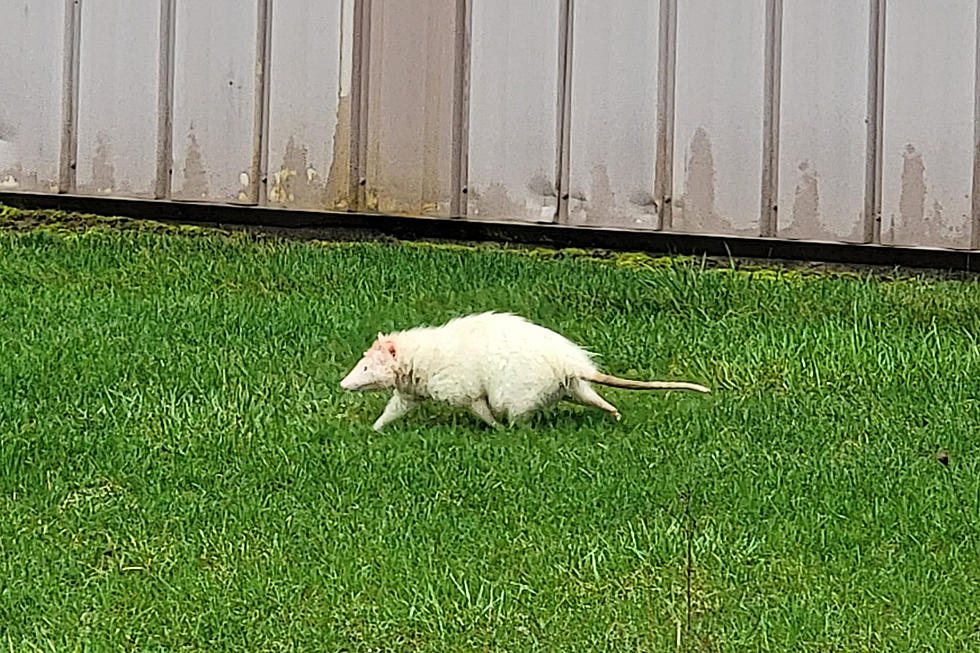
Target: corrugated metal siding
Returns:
[31, 41]
[514, 83]
[614, 113]
[657, 120]
[718, 123]
[928, 134]
[117, 97]
[309, 140]
[823, 105]
[214, 84]
[410, 107]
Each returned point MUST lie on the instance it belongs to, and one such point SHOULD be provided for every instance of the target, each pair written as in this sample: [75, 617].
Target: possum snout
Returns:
[358, 378]
[347, 383]
[376, 371]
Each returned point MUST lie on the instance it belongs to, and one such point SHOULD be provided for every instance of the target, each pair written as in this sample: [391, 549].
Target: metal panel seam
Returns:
[461, 108]
[258, 175]
[68, 155]
[666, 75]
[975, 190]
[564, 106]
[875, 120]
[768, 219]
[165, 101]
[360, 71]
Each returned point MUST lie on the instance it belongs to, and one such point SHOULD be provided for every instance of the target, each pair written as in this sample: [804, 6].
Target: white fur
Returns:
[496, 364]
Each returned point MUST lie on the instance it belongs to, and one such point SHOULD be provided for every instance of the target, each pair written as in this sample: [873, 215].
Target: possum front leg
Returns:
[397, 407]
[481, 409]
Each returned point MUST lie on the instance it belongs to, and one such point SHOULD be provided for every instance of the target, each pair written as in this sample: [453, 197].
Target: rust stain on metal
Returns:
[605, 207]
[599, 207]
[300, 184]
[540, 184]
[699, 185]
[296, 182]
[806, 199]
[103, 173]
[436, 143]
[338, 176]
[11, 171]
[542, 204]
[494, 203]
[807, 223]
[643, 198]
[602, 199]
[410, 119]
[195, 174]
[916, 224]
[911, 205]
[695, 210]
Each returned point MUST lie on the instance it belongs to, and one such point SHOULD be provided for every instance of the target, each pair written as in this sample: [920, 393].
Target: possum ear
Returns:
[389, 347]
[380, 336]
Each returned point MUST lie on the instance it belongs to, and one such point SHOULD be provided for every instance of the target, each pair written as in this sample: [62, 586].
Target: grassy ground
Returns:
[179, 469]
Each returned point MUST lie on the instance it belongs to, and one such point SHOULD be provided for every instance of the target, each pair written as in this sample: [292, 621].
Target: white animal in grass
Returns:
[496, 364]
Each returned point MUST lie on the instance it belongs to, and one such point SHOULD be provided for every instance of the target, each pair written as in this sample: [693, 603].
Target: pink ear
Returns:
[384, 345]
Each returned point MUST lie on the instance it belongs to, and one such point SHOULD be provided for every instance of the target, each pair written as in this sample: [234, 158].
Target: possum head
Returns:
[377, 370]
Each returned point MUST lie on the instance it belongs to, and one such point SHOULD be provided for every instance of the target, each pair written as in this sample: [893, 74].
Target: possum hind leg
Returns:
[580, 391]
[481, 409]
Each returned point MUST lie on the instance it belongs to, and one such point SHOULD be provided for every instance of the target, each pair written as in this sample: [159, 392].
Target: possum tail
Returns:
[616, 382]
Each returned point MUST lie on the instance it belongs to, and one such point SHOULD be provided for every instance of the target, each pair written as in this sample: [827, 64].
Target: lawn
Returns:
[179, 469]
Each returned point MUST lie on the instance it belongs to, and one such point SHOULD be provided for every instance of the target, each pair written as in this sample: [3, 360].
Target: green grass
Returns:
[179, 469]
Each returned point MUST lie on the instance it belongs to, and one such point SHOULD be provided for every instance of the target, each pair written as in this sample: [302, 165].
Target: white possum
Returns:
[498, 365]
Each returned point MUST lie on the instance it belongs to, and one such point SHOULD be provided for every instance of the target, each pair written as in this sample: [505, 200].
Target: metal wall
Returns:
[844, 120]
